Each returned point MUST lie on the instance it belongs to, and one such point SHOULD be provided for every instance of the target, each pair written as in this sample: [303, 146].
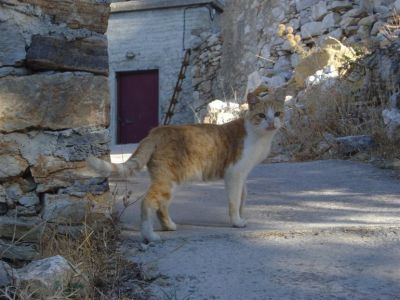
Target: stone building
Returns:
[147, 43]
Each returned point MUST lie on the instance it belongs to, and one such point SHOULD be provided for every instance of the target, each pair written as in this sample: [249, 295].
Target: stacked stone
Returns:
[206, 61]
[251, 42]
[280, 40]
[54, 113]
[351, 22]
[384, 65]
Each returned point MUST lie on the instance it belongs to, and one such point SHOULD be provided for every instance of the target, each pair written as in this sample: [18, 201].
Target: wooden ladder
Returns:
[178, 88]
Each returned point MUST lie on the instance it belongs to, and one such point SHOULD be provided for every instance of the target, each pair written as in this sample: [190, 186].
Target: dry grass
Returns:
[391, 29]
[101, 272]
[345, 109]
[353, 106]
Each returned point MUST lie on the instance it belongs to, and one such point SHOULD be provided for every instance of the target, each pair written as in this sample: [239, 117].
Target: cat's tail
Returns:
[135, 163]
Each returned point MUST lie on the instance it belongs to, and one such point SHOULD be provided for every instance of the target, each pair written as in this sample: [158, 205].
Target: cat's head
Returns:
[265, 115]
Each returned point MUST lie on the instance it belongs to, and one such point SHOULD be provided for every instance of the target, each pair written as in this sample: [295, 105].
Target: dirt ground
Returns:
[316, 230]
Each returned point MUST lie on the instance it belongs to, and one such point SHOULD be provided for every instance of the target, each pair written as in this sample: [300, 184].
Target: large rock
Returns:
[57, 53]
[48, 166]
[331, 20]
[80, 188]
[391, 118]
[18, 251]
[46, 275]
[350, 145]
[3, 201]
[3, 208]
[341, 5]
[12, 44]
[332, 53]
[13, 192]
[54, 101]
[62, 178]
[347, 22]
[319, 10]
[7, 274]
[68, 145]
[385, 72]
[337, 33]
[356, 13]
[31, 145]
[304, 4]
[24, 229]
[30, 199]
[282, 64]
[56, 158]
[220, 112]
[256, 84]
[12, 71]
[12, 166]
[397, 5]
[78, 144]
[367, 21]
[64, 209]
[88, 14]
[275, 81]
[311, 29]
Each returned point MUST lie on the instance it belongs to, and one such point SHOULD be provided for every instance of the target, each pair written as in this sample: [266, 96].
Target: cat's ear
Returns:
[252, 100]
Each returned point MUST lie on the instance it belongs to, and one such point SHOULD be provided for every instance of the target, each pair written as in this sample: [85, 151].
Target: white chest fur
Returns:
[255, 150]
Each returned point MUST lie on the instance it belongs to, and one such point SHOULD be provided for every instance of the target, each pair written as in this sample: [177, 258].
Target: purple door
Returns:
[137, 105]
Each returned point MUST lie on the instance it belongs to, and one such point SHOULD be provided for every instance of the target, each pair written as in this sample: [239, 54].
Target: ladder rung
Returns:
[178, 87]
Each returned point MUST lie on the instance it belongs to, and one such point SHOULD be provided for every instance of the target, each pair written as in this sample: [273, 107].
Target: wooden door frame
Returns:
[117, 73]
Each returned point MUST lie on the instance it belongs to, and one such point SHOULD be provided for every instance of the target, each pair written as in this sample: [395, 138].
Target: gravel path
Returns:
[316, 230]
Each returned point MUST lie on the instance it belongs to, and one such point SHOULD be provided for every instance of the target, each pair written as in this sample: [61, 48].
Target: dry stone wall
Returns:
[384, 86]
[206, 65]
[54, 113]
[251, 42]
[282, 43]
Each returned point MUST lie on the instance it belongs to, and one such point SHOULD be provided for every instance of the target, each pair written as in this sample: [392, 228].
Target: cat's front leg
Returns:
[234, 184]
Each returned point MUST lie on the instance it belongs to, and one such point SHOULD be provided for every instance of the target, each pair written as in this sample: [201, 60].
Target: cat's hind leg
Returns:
[165, 219]
[156, 199]
[243, 199]
[234, 187]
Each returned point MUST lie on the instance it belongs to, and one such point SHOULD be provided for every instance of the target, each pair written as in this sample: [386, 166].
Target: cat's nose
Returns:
[270, 125]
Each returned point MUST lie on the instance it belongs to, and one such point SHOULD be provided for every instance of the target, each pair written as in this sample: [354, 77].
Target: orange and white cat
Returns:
[180, 153]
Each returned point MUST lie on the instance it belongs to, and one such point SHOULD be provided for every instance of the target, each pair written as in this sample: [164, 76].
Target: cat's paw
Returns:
[239, 223]
[153, 237]
[148, 234]
[171, 226]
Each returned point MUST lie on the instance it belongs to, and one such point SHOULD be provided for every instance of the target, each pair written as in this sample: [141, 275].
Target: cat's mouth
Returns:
[271, 127]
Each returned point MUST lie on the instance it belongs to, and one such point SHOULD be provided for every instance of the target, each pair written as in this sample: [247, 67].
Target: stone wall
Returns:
[384, 86]
[251, 42]
[54, 113]
[206, 65]
[281, 45]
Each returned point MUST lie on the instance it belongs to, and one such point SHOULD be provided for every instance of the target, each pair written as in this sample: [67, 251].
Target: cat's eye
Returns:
[261, 115]
[277, 114]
